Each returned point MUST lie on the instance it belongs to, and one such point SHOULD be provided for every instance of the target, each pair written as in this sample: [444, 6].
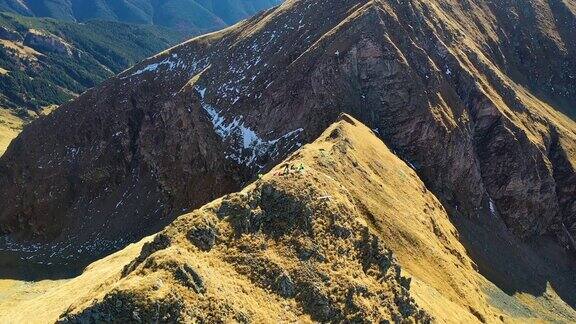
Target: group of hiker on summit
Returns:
[288, 168]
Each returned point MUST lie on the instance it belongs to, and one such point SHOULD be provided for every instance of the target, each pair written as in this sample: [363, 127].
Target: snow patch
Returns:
[154, 66]
[173, 63]
[202, 92]
[492, 206]
[247, 146]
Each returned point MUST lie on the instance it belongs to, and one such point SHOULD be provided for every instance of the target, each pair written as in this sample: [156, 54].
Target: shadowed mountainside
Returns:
[456, 89]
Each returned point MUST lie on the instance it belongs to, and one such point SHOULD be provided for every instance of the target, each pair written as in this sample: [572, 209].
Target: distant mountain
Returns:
[189, 16]
[45, 62]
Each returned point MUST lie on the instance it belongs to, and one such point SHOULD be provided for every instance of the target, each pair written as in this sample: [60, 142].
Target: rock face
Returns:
[45, 42]
[457, 89]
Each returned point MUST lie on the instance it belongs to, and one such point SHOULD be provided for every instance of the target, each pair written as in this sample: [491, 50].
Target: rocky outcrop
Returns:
[440, 84]
[45, 42]
[10, 35]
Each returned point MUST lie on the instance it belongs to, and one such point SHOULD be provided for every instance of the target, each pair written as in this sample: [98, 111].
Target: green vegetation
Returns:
[188, 16]
[37, 78]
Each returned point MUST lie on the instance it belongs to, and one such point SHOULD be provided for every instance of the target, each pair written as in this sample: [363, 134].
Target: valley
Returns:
[190, 17]
[46, 62]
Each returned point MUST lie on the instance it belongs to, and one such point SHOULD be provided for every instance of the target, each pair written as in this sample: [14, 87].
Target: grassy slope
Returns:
[22, 302]
[10, 126]
[364, 186]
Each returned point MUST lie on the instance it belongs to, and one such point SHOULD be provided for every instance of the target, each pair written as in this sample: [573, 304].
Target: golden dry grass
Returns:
[20, 49]
[10, 127]
[361, 181]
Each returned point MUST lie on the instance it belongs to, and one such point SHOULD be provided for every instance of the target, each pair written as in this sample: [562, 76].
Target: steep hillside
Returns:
[187, 16]
[10, 126]
[45, 62]
[343, 230]
[455, 88]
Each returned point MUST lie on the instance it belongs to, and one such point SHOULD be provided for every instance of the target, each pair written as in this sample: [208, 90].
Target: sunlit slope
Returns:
[329, 234]
[10, 126]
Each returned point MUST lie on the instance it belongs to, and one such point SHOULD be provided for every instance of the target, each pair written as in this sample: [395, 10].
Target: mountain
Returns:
[455, 89]
[45, 62]
[349, 233]
[188, 16]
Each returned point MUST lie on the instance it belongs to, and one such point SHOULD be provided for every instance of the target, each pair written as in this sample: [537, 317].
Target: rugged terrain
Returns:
[457, 89]
[44, 62]
[342, 230]
[191, 17]
[10, 126]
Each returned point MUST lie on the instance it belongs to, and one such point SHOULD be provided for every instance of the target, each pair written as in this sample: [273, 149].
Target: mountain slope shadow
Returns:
[514, 266]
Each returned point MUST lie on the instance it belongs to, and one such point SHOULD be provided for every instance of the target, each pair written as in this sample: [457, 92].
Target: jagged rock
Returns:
[160, 242]
[203, 237]
[190, 278]
[285, 286]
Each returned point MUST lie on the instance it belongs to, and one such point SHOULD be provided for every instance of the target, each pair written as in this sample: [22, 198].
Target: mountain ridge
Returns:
[482, 142]
[187, 16]
[448, 196]
[342, 229]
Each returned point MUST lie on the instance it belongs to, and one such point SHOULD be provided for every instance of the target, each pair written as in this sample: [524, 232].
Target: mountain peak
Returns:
[316, 226]
[324, 160]
[342, 229]
[439, 83]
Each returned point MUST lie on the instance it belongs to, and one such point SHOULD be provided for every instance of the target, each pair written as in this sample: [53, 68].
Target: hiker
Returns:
[301, 168]
[286, 169]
